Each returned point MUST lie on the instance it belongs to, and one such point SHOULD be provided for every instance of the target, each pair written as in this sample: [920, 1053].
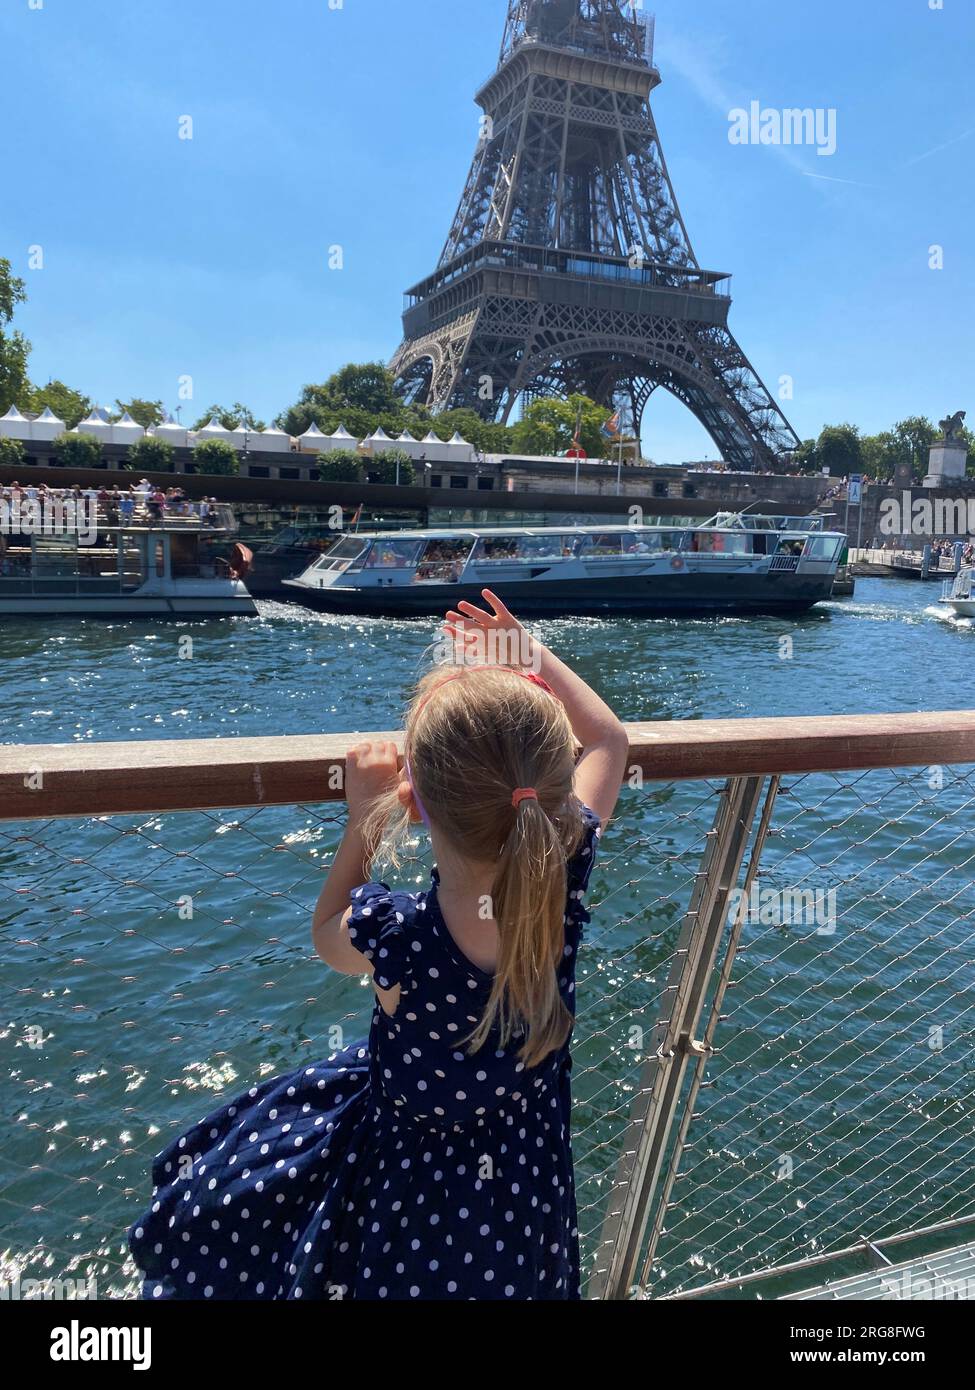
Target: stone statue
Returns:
[952, 426]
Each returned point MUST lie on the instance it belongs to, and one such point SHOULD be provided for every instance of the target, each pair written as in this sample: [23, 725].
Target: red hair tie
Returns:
[523, 794]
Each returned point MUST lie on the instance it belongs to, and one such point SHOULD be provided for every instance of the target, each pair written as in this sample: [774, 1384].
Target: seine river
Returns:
[127, 1016]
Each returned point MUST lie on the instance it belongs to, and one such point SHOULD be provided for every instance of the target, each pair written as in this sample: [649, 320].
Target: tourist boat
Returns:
[735, 563]
[957, 593]
[174, 567]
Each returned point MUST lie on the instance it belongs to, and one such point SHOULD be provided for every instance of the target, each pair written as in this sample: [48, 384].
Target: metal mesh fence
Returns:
[839, 1104]
[155, 966]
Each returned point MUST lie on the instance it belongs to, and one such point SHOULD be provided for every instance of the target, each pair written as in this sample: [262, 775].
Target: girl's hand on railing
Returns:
[371, 769]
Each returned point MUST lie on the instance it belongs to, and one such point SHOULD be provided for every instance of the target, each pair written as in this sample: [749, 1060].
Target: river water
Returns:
[127, 1019]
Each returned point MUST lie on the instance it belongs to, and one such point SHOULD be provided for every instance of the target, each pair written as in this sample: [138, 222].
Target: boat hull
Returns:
[633, 595]
[127, 607]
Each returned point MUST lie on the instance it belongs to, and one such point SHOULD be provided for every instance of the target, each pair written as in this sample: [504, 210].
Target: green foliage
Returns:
[77, 451]
[383, 467]
[151, 455]
[340, 466]
[806, 458]
[840, 449]
[361, 397]
[68, 405]
[548, 427]
[216, 456]
[12, 452]
[145, 413]
[238, 416]
[14, 347]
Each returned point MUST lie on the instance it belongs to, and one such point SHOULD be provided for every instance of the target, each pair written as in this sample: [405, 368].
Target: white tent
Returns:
[13, 425]
[95, 423]
[435, 450]
[271, 441]
[172, 432]
[314, 441]
[47, 426]
[126, 431]
[214, 430]
[341, 439]
[378, 442]
[460, 450]
[409, 445]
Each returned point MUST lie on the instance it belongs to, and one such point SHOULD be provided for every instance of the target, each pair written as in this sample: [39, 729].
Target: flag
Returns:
[611, 428]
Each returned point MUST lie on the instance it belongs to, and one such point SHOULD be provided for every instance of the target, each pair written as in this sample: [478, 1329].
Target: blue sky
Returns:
[315, 126]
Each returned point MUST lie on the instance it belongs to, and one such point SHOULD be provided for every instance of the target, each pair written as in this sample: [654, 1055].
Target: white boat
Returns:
[957, 593]
[174, 567]
[735, 563]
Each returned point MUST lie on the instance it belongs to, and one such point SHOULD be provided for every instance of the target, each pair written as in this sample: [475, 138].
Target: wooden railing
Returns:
[45, 780]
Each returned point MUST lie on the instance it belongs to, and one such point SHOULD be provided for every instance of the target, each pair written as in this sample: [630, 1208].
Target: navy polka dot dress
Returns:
[400, 1168]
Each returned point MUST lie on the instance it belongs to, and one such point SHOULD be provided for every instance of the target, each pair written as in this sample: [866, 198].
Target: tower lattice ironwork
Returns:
[568, 266]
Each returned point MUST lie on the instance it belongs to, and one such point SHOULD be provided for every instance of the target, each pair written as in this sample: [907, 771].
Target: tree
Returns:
[14, 347]
[340, 466]
[145, 413]
[840, 448]
[363, 386]
[68, 405]
[548, 427]
[12, 453]
[915, 435]
[806, 457]
[216, 456]
[151, 455]
[238, 416]
[78, 451]
[359, 396]
[485, 435]
[385, 467]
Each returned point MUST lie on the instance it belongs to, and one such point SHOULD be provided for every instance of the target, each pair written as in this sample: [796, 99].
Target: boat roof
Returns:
[452, 533]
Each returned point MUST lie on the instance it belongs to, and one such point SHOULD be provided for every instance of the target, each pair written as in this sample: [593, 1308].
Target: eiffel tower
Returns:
[568, 267]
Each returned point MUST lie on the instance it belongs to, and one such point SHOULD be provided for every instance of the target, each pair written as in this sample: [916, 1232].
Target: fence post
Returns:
[674, 1041]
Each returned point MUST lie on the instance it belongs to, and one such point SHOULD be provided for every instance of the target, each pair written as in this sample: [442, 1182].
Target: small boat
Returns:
[735, 563]
[957, 593]
[174, 566]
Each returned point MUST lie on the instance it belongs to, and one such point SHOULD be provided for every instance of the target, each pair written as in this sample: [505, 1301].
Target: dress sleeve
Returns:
[376, 929]
[580, 865]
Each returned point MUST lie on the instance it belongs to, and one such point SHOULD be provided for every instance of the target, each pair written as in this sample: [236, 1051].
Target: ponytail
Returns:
[529, 909]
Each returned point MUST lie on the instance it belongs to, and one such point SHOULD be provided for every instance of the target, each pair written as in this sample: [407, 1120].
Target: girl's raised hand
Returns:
[494, 638]
[370, 769]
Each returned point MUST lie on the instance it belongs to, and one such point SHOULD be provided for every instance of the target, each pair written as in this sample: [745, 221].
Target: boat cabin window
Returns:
[651, 542]
[791, 545]
[602, 547]
[442, 561]
[493, 549]
[823, 547]
[721, 543]
[497, 549]
[341, 555]
[393, 554]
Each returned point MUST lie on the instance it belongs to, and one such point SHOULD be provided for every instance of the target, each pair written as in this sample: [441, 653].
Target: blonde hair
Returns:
[473, 736]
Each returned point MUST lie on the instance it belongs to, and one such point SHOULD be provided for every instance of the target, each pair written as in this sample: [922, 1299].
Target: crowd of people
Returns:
[945, 550]
[118, 506]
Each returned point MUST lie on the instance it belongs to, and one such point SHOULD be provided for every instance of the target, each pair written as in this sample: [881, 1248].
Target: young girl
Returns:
[433, 1161]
